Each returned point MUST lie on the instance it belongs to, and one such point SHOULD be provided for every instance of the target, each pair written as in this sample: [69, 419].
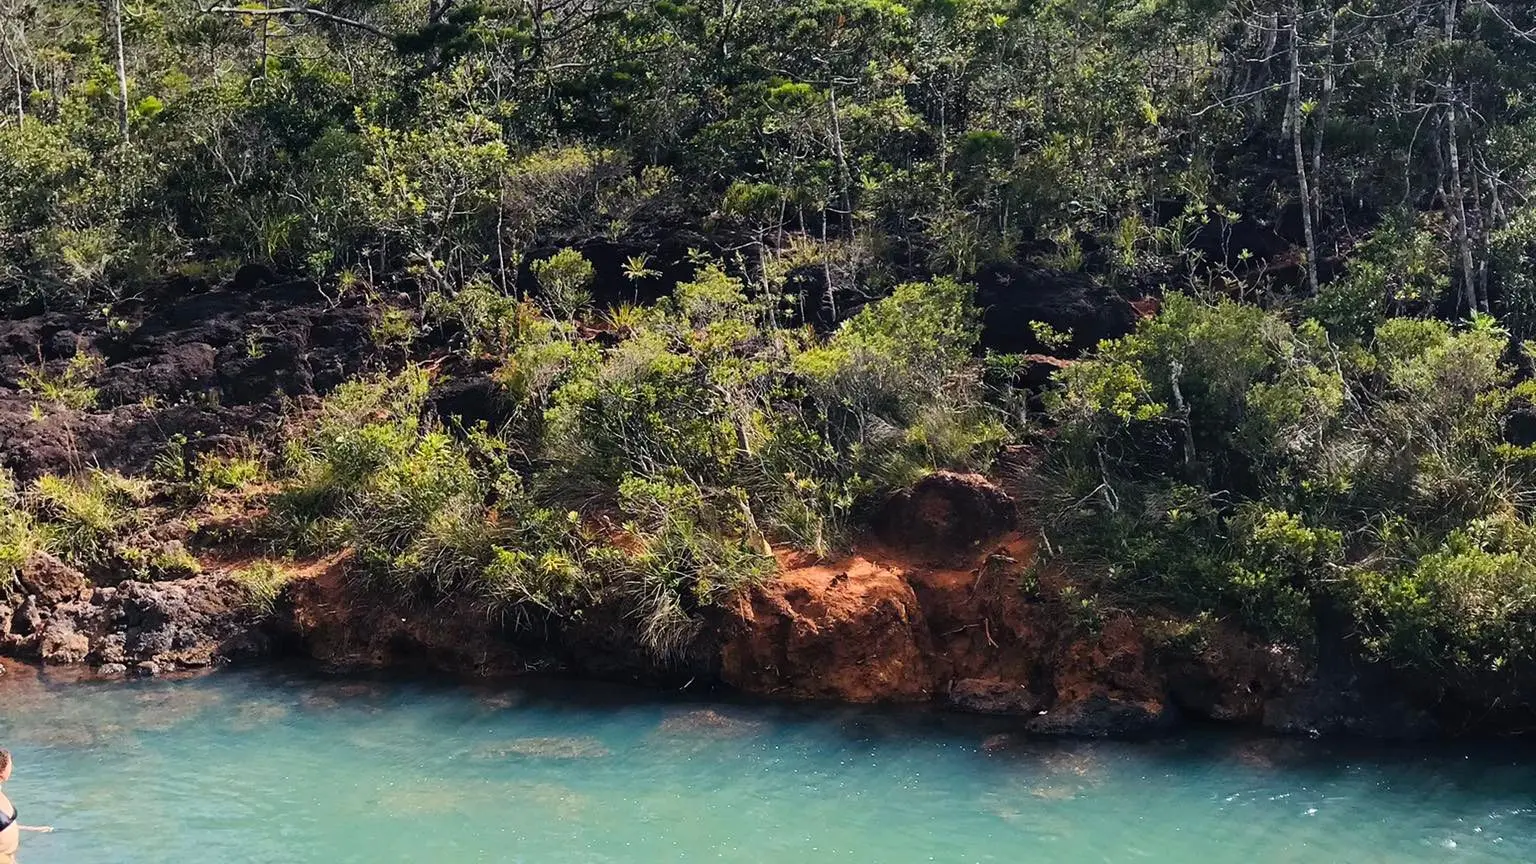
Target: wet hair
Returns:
[5, 760]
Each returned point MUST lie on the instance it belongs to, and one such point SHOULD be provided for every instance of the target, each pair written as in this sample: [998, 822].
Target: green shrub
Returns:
[1223, 460]
[70, 387]
[84, 515]
[362, 429]
[19, 534]
[230, 473]
[263, 583]
[685, 552]
[1464, 610]
[565, 279]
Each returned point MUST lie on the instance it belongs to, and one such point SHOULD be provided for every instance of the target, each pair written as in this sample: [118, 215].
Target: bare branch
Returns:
[1527, 35]
[303, 10]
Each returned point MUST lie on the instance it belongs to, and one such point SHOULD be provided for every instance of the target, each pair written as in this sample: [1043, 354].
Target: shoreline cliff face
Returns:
[947, 605]
[944, 598]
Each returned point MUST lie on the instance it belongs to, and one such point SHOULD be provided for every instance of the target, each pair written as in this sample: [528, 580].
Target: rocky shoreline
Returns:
[940, 609]
[945, 601]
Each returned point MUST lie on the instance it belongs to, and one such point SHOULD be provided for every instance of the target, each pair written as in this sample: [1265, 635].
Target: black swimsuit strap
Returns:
[8, 821]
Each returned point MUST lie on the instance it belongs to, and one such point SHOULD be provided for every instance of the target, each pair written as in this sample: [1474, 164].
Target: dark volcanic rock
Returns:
[204, 364]
[470, 400]
[50, 580]
[993, 696]
[1101, 716]
[947, 513]
[1013, 295]
[189, 623]
[1327, 708]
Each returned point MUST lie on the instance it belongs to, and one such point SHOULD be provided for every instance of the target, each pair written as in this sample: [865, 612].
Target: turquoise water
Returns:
[278, 767]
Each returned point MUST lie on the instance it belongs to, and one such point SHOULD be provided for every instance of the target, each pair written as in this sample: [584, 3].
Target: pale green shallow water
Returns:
[273, 767]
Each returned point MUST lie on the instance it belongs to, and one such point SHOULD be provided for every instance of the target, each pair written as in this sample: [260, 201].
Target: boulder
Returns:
[994, 696]
[191, 622]
[52, 581]
[947, 514]
[62, 644]
[852, 633]
[1327, 708]
[1015, 295]
[183, 624]
[1105, 716]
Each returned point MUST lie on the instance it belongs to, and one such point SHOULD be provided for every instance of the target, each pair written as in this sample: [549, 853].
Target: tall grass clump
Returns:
[19, 534]
[82, 516]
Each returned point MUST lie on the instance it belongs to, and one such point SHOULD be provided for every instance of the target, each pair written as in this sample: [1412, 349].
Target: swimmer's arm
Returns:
[40, 829]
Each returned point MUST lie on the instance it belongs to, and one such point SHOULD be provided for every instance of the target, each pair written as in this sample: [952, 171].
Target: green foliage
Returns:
[19, 534]
[897, 390]
[1252, 453]
[263, 583]
[653, 469]
[1223, 460]
[396, 329]
[83, 516]
[70, 387]
[230, 473]
[686, 552]
[490, 322]
[1401, 266]
[565, 278]
[1049, 337]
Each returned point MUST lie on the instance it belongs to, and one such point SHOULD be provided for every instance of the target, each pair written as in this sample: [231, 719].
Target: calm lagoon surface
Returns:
[281, 767]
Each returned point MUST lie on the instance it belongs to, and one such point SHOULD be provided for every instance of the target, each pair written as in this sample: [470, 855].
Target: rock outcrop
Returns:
[148, 626]
[208, 364]
[946, 514]
[853, 632]
[328, 617]
[952, 606]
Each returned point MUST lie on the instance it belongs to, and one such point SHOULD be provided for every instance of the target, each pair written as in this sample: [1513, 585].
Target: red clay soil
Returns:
[849, 630]
[878, 626]
[979, 625]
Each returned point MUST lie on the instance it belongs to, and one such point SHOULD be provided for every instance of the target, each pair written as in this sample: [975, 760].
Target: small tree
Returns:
[565, 279]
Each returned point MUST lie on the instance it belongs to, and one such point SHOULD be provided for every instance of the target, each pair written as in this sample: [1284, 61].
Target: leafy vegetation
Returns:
[263, 583]
[654, 471]
[1222, 458]
[723, 260]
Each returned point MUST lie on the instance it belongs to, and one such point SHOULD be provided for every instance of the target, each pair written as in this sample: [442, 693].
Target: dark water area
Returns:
[279, 766]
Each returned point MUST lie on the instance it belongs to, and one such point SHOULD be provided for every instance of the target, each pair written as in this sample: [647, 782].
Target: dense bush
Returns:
[655, 469]
[1222, 458]
[791, 197]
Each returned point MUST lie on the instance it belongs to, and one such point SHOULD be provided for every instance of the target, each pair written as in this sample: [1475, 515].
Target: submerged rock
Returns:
[545, 748]
[1103, 716]
[708, 723]
[993, 696]
[1321, 709]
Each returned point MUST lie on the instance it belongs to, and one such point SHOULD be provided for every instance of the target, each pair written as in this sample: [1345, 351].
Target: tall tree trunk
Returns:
[122, 70]
[1303, 188]
[1458, 202]
[1319, 125]
[1459, 214]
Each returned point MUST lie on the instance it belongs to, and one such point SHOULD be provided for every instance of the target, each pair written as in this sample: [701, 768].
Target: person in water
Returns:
[10, 831]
